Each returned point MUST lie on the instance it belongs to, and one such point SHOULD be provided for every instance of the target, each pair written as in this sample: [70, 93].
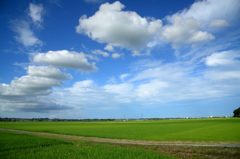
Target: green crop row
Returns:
[24, 146]
[163, 130]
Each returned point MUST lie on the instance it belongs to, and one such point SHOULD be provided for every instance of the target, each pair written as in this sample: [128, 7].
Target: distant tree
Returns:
[236, 112]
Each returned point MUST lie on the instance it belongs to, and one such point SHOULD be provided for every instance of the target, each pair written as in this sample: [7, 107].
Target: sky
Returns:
[82, 59]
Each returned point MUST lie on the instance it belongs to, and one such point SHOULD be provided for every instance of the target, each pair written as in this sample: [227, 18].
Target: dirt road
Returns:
[137, 142]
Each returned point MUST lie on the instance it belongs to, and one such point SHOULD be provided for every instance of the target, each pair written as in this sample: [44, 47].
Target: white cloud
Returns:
[208, 10]
[29, 93]
[185, 31]
[29, 85]
[137, 53]
[66, 59]
[99, 52]
[122, 89]
[126, 29]
[119, 93]
[109, 48]
[23, 28]
[218, 23]
[177, 81]
[48, 72]
[223, 65]
[83, 94]
[155, 82]
[35, 12]
[25, 35]
[223, 58]
[92, 57]
[191, 26]
[81, 87]
[116, 55]
[168, 72]
[123, 76]
[119, 28]
[36, 104]
[150, 89]
[222, 75]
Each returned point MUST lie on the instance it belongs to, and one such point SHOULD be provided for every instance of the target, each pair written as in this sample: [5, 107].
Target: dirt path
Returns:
[137, 142]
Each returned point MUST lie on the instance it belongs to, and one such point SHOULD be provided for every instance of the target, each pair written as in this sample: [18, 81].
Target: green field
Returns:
[22, 146]
[221, 129]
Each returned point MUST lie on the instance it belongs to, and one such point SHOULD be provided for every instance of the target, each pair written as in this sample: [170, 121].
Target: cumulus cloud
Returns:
[66, 59]
[218, 23]
[36, 104]
[29, 85]
[99, 52]
[116, 55]
[190, 26]
[48, 72]
[126, 29]
[25, 35]
[185, 31]
[119, 28]
[29, 93]
[109, 48]
[35, 12]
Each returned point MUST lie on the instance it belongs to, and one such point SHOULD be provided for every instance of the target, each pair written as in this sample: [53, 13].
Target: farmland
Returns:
[162, 130]
[45, 145]
[21, 146]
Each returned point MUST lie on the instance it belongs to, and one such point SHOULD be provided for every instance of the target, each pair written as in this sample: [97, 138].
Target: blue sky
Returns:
[110, 59]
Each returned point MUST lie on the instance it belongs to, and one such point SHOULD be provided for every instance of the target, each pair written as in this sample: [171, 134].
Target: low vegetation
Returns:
[187, 152]
[22, 146]
[207, 130]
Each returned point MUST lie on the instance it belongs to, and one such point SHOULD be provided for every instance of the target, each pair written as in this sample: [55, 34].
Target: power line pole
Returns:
[210, 111]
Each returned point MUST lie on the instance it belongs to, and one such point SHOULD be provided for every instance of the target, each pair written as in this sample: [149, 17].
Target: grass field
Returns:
[163, 130]
[22, 146]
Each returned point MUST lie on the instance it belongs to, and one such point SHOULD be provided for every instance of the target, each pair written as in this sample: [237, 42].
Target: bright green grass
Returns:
[22, 146]
[162, 130]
